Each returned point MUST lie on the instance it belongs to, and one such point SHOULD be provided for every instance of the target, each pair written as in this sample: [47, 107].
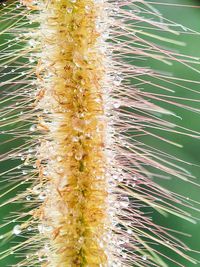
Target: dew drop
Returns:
[60, 170]
[124, 202]
[1, 237]
[116, 104]
[133, 184]
[79, 155]
[87, 8]
[17, 230]
[117, 80]
[28, 198]
[135, 177]
[31, 60]
[75, 139]
[32, 42]
[41, 228]
[129, 231]
[69, 10]
[32, 128]
[41, 259]
[42, 196]
[59, 158]
[124, 256]
[36, 189]
[144, 257]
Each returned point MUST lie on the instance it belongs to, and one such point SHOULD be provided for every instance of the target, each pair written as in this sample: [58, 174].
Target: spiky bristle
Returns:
[69, 103]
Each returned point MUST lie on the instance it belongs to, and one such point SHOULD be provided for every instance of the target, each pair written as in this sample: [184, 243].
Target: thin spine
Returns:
[129, 157]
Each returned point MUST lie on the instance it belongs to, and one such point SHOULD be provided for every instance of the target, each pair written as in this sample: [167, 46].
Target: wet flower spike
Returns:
[69, 101]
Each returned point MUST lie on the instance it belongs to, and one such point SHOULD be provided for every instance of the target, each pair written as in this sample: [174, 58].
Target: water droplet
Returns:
[135, 177]
[129, 231]
[41, 228]
[32, 128]
[124, 256]
[88, 135]
[41, 259]
[116, 104]
[36, 189]
[87, 8]
[117, 80]
[133, 184]
[44, 228]
[17, 230]
[28, 198]
[1, 237]
[124, 202]
[60, 170]
[42, 196]
[31, 60]
[32, 42]
[79, 155]
[69, 10]
[144, 257]
[59, 158]
[75, 139]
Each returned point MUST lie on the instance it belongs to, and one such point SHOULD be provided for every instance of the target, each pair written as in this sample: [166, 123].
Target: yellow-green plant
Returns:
[84, 174]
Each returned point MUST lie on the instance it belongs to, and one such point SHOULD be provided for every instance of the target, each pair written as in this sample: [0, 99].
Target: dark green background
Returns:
[189, 17]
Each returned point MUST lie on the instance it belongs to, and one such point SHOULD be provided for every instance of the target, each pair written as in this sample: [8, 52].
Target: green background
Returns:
[190, 152]
[189, 17]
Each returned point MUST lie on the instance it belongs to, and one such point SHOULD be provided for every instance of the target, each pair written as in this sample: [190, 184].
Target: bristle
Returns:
[82, 178]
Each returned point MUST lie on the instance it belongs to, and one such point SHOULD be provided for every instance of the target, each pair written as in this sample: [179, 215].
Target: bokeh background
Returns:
[189, 17]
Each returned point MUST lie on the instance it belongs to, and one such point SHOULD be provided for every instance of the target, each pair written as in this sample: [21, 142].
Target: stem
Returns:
[70, 74]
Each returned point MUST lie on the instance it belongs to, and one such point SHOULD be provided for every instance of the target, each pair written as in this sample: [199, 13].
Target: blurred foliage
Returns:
[189, 17]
